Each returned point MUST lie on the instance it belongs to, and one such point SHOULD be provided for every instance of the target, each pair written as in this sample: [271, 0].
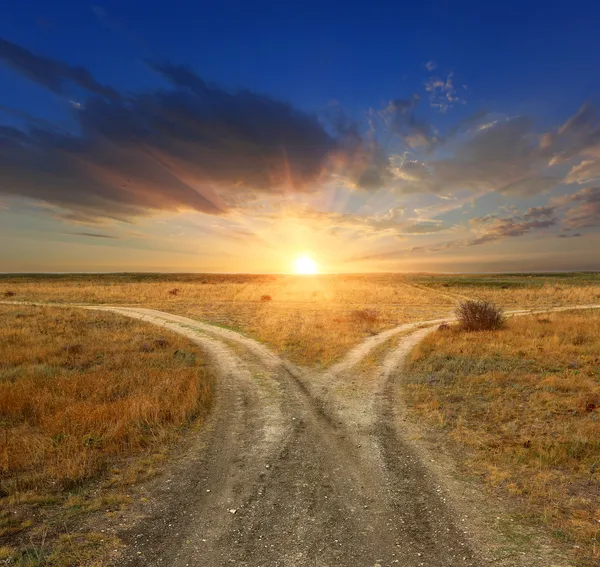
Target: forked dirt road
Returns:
[302, 468]
[284, 479]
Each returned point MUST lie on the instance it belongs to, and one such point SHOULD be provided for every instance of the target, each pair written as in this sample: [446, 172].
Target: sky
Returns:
[238, 136]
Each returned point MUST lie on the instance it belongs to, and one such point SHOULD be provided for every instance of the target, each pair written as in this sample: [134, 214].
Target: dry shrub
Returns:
[479, 316]
[9, 294]
[266, 298]
[444, 327]
[174, 291]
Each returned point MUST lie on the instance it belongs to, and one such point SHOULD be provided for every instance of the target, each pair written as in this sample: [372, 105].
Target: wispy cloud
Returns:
[586, 210]
[51, 73]
[94, 235]
[443, 94]
[498, 229]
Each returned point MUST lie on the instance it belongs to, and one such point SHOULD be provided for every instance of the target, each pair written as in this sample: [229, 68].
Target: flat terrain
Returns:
[311, 321]
[311, 454]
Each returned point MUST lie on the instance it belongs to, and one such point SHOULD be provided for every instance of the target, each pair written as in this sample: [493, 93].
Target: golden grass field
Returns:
[83, 395]
[525, 402]
[523, 399]
[309, 320]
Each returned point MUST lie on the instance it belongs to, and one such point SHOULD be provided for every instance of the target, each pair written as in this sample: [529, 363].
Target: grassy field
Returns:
[88, 401]
[524, 402]
[513, 291]
[310, 320]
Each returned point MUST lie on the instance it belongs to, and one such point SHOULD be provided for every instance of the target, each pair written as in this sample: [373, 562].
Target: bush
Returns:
[479, 316]
[174, 291]
[266, 298]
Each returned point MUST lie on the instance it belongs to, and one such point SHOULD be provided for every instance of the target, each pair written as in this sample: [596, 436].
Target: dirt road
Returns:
[301, 468]
[283, 479]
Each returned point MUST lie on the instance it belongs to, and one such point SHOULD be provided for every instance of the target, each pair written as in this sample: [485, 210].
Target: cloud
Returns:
[574, 235]
[359, 158]
[50, 73]
[443, 95]
[539, 212]
[584, 172]
[195, 146]
[530, 186]
[502, 157]
[488, 153]
[400, 117]
[390, 223]
[586, 212]
[495, 229]
[430, 65]
[578, 136]
[93, 235]
[191, 147]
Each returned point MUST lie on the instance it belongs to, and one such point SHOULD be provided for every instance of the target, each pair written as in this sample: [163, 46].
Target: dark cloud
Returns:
[192, 147]
[50, 73]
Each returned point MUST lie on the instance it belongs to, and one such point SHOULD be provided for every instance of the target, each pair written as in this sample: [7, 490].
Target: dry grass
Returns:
[81, 391]
[515, 291]
[525, 401]
[310, 320]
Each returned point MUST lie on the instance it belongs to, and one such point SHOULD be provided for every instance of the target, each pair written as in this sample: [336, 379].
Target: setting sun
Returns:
[305, 265]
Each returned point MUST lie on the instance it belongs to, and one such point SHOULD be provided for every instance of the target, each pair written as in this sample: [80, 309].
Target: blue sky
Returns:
[234, 136]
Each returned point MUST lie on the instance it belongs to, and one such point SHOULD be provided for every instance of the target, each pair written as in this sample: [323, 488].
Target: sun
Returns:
[305, 265]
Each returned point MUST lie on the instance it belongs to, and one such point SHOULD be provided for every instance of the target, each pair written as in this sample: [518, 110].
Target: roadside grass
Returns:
[312, 321]
[89, 402]
[522, 406]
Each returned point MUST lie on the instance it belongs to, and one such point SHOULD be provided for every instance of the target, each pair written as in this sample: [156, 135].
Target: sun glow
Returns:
[305, 265]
